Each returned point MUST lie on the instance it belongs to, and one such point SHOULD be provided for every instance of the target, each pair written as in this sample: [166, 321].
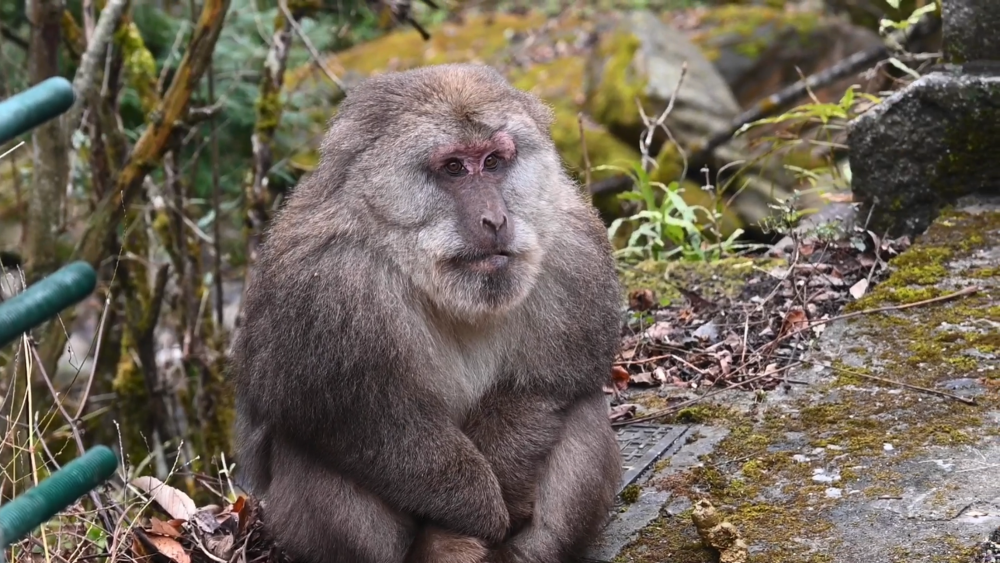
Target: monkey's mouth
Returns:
[485, 262]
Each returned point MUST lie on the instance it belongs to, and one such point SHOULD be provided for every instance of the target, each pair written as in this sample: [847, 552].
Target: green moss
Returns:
[724, 278]
[630, 494]
[611, 97]
[754, 462]
[139, 64]
[693, 415]
[268, 108]
[479, 37]
[603, 148]
[740, 27]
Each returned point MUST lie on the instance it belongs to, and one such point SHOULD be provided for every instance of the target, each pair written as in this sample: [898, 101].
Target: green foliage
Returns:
[668, 226]
[828, 114]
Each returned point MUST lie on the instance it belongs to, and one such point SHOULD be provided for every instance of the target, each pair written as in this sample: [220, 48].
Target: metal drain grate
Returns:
[642, 444]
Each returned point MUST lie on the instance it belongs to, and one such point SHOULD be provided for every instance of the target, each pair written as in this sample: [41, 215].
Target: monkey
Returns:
[428, 329]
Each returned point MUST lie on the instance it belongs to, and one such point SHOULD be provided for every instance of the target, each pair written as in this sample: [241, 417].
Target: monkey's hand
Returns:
[420, 464]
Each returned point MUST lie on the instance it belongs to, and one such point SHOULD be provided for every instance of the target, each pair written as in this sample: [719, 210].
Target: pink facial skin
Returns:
[472, 155]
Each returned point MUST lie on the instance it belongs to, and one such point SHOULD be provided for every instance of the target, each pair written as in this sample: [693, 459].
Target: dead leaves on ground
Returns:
[752, 339]
[191, 534]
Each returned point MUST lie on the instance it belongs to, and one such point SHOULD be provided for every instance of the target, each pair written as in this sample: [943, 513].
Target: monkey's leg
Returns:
[575, 492]
[317, 515]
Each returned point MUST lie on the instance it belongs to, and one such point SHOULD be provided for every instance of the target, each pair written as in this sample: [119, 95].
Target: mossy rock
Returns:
[638, 58]
[761, 49]
[496, 40]
[596, 66]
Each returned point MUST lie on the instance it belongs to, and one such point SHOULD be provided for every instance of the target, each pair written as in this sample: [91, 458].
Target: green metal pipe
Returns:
[26, 110]
[61, 489]
[44, 299]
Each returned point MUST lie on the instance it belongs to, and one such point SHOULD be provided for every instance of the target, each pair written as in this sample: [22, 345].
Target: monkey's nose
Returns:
[494, 222]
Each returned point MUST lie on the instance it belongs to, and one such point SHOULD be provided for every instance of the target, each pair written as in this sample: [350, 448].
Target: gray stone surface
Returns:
[925, 146]
[684, 452]
[971, 30]
[868, 471]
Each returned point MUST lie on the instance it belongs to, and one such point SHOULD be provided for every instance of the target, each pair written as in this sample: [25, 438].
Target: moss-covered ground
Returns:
[803, 466]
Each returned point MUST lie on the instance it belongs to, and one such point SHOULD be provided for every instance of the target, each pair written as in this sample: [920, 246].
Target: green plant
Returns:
[667, 225]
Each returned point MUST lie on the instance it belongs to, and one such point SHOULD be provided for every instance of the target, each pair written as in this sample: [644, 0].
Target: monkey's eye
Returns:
[491, 162]
[454, 167]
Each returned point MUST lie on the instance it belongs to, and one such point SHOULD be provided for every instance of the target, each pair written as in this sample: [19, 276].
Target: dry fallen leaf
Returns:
[658, 332]
[205, 520]
[171, 548]
[858, 290]
[159, 527]
[174, 502]
[794, 321]
[660, 375]
[620, 377]
[621, 412]
[641, 300]
[220, 546]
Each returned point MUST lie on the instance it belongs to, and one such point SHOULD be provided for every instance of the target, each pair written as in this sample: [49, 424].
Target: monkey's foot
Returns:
[435, 545]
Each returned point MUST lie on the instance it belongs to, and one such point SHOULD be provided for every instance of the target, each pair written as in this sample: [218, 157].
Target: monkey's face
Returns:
[477, 249]
[458, 173]
[461, 212]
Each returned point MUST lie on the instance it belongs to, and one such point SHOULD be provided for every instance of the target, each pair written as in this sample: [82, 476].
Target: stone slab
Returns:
[683, 445]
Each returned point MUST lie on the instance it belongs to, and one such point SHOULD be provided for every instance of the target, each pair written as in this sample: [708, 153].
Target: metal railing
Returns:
[37, 304]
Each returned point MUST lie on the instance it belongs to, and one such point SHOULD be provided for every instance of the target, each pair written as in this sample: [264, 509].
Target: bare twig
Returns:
[312, 49]
[966, 400]
[586, 155]
[961, 293]
[646, 138]
[85, 81]
[780, 100]
[216, 207]
[674, 408]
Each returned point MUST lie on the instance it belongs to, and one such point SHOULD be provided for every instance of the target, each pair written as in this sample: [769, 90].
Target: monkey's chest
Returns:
[466, 378]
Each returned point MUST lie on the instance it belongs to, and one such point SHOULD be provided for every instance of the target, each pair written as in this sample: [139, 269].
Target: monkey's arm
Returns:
[369, 421]
[515, 432]
[366, 407]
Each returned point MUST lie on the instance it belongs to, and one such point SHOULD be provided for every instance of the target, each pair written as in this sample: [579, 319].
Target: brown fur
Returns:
[393, 407]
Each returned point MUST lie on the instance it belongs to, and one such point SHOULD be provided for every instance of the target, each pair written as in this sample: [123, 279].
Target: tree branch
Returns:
[51, 166]
[269, 109]
[153, 143]
[87, 74]
[147, 152]
[13, 38]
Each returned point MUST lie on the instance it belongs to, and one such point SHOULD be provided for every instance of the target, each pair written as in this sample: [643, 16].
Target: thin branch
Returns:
[583, 147]
[13, 38]
[966, 400]
[147, 152]
[312, 49]
[85, 81]
[216, 207]
[780, 100]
